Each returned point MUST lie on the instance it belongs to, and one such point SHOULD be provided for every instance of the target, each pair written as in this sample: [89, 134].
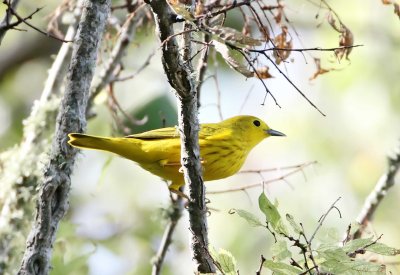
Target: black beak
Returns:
[272, 132]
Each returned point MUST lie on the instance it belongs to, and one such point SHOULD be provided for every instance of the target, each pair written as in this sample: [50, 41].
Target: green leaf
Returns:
[337, 254]
[225, 259]
[271, 214]
[369, 245]
[296, 228]
[280, 251]
[329, 235]
[356, 244]
[249, 217]
[351, 267]
[281, 268]
[383, 249]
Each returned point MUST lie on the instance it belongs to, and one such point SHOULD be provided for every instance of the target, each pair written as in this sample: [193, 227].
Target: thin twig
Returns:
[305, 49]
[218, 104]
[24, 20]
[246, 99]
[301, 165]
[106, 75]
[138, 71]
[234, 5]
[322, 219]
[242, 188]
[202, 67]
[293, 85]
[7, 18]
[310, 251]
[174, 216]
[132, 120]
[258, 75]
[262, 260]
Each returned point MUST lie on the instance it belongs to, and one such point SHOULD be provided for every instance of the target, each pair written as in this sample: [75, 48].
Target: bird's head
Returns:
[252, 129]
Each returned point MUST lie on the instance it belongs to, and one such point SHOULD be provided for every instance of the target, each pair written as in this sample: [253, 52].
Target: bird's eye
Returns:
[257, 123]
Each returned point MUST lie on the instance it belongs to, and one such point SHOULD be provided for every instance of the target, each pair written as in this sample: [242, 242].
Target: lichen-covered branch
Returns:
[372, 202]
[22, 165]
[54, 191]
[180, 75]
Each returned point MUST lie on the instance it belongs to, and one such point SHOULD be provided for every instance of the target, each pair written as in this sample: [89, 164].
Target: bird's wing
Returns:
[207, 131]
[213, 131]
[169, 132]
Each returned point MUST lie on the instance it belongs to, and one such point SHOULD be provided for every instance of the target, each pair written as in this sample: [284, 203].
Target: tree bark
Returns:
[22, 165]
[54, 191]
[180, 73]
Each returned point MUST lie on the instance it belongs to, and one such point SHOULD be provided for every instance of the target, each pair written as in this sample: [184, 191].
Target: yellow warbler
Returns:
[224, 147]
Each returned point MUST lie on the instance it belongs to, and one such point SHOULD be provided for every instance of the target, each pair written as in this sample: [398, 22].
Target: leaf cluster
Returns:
[295, 252]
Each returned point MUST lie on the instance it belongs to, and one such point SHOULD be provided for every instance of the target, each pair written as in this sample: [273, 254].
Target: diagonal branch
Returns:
[54, 191]
[25, 21]
[127, 34]
[173, 216]
[372, 202]
[296, 169]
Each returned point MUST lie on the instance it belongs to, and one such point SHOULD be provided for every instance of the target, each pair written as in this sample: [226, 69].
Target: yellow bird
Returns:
[224, 147]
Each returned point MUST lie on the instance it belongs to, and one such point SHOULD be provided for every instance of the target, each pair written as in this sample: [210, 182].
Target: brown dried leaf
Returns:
[281, 41]
[386, 2]
[182, 8]
[263, 73]
[278, 16]
[332, 21]
[319, 70]
[397, 9]
[199, 8]
[346, 39]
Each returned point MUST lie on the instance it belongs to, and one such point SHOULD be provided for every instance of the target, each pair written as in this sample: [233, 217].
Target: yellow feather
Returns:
[224, 147]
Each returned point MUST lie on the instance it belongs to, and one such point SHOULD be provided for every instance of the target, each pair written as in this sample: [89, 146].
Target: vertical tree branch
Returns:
[179, 72]
[54, 192]
[22, 165]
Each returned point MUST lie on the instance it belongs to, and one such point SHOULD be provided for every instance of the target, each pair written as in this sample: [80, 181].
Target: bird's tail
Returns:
[127, 148]
[89, 142]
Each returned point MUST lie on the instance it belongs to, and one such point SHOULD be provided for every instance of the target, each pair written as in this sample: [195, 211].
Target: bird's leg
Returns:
[179, 193]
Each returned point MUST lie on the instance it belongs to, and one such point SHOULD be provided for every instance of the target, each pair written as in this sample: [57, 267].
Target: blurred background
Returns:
[115, 221]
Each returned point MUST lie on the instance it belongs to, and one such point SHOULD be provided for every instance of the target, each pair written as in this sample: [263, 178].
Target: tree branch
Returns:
[179, 72]
[372, 202]
[22, 165]
[174, 216]
[54, 192]
[106, 75]
[295, 170]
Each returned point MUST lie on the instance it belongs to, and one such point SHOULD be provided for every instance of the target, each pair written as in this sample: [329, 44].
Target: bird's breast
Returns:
[221, 159]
